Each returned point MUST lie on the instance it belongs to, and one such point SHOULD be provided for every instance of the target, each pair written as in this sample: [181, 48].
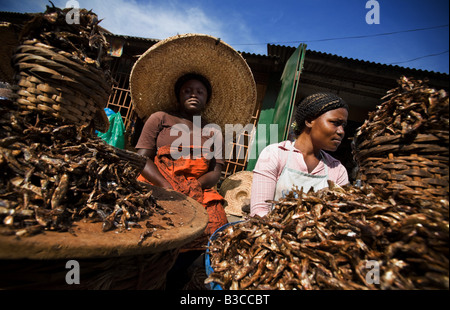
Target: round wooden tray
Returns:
[87, 240]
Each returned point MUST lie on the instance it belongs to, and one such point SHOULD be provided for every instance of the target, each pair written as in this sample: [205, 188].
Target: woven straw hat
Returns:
[155, 73]
[236, 190]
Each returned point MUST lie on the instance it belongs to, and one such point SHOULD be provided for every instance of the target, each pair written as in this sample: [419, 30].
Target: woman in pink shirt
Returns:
[319, 126]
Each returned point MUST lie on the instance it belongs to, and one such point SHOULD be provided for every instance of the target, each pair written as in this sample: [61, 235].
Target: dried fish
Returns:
[337, 232]
[53, 174]
[81, 40]
[407, 107]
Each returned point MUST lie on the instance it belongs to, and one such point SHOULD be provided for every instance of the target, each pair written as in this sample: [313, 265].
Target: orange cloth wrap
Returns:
[183, 174]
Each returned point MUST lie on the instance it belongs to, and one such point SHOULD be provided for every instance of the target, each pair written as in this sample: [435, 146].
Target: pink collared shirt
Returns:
[270, 164]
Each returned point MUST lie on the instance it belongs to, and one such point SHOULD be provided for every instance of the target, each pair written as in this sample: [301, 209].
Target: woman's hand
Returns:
[211, 178]
[151, 172]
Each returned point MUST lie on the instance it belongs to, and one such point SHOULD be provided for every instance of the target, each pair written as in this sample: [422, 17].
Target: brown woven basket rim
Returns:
[59, 86]
[63, 57]
[413, 148]
[396, 139]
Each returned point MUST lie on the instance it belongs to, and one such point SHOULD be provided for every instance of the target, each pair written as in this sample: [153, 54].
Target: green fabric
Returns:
[279, 114]
[115, 135]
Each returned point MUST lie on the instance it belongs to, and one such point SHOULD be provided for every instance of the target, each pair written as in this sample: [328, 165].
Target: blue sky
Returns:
[248, 25]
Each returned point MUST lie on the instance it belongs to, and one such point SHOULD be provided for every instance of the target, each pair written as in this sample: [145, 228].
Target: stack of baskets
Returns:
[404, 145]
[52, 81]
[61, 68]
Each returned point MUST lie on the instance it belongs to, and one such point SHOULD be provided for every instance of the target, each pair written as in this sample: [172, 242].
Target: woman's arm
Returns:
[146, 146]
[151, 172]
[265, 176]
[216, 164]
[263, 188]
[211, 178]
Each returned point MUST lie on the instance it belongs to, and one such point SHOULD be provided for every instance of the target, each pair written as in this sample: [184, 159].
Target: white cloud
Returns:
[167, 18]
[157, 19]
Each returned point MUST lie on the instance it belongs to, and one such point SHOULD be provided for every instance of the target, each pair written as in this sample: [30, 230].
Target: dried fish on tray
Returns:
[53, 174]
[337, 238]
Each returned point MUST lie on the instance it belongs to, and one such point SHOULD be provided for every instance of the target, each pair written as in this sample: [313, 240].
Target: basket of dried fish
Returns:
[404, 144]
[61, 68]
[345, 238]
[136, 257]
[67, 195]
[208, 264]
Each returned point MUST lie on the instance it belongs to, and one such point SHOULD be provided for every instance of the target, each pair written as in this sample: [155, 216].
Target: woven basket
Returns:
[403, 146]
[411, 175]
[140, 272]
[55, 82]
[107, 260]
[417, 167]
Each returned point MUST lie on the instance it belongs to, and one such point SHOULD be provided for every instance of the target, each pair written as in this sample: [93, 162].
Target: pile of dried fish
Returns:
[409, 109]
[62, 66]
[404, 145]
[53, 174]
[337, 238]
[81, 38]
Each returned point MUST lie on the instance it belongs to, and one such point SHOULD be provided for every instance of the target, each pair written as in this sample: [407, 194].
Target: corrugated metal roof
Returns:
[286, 51]
[314, 60]
[356, 71]
[132, 38]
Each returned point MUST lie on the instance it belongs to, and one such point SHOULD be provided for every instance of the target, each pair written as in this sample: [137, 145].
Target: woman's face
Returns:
[327, 131]
[193, 97]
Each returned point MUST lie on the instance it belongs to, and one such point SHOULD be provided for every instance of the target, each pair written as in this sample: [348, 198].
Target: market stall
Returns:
[65, 195]
[389, 232]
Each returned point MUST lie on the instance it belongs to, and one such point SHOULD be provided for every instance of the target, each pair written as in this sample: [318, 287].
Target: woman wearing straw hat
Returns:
[319, 126]
[187, 88]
